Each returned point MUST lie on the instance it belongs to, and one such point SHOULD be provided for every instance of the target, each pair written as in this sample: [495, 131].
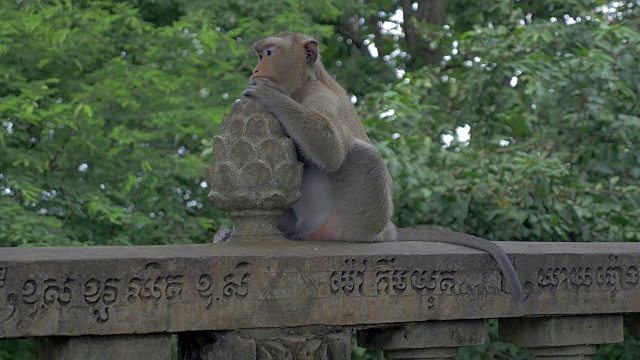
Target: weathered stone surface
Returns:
[269, 282]
[562, 337]
[148, 347]
[422, 354]
[306, 343]
[418, 336]
[426, 340]
[254, 174]
[578, 352]
[562, 330]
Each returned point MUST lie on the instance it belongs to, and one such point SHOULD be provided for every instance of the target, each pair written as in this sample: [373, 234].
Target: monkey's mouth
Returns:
[263, 78]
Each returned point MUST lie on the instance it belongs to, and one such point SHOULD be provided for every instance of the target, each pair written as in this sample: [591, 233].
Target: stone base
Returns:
[426, 340]
[562, 337]
[422, 354]
[564, 352]
[318, 343]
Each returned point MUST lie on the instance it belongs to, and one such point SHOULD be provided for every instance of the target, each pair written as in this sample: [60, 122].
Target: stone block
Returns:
[439, 334]
[267, 282]
[562, 330]
[427, 340]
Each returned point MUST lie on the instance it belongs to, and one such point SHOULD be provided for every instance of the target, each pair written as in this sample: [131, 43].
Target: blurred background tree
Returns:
[510, 120]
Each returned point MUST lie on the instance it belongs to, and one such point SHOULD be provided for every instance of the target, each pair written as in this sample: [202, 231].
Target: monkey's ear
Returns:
[311, 51]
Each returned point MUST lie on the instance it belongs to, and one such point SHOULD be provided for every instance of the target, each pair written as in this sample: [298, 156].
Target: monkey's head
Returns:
[286, 60]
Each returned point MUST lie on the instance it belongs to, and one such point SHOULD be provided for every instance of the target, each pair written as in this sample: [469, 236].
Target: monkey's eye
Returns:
[269, 52]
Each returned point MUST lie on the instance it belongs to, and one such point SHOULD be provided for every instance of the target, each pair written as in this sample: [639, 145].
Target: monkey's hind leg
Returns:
[362, 195]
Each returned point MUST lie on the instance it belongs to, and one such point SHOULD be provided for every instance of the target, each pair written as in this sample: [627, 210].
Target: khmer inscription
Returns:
[238, 289]
[154, 285]
[50, 293]
[236, 285]
[11, 299]
[349, 280]
[100, 296]
[57, 292]
[390, 279]
[3, 276]
[436, 282]
[173, 290]
[205, 290]
[602, 278]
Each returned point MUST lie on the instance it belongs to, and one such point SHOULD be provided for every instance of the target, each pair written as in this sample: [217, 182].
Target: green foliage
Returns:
[99, 110]
[18, 349]
[628, 350]
[553, 157]
[108, 108]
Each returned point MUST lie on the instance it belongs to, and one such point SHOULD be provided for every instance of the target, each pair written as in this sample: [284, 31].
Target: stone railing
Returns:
[259, 296]
[252, 298]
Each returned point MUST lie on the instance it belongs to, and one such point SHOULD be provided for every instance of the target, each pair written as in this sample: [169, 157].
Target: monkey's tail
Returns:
[449, 237]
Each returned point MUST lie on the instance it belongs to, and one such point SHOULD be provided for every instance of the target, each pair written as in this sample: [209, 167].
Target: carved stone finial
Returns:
[254, 175]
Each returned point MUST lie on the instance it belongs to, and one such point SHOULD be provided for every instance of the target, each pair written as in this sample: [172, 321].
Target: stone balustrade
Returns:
[255, 296]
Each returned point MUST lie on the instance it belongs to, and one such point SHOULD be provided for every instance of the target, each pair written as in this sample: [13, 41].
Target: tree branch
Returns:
[52, 161]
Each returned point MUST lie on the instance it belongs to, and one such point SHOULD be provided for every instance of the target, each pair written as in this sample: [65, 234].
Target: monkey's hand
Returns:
[315, 124]
[263, 90]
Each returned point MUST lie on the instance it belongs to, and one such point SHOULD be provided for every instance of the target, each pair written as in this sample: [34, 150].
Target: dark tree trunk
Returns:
[376, 26]
[432, 12]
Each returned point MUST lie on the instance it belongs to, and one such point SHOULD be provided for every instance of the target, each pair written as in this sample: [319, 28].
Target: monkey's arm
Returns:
[315, 125]
[513, 282]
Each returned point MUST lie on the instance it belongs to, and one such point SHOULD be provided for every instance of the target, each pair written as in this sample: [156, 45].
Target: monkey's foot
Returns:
[222, 235]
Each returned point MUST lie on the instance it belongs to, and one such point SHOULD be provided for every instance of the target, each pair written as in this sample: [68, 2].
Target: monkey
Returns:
[346, 186]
